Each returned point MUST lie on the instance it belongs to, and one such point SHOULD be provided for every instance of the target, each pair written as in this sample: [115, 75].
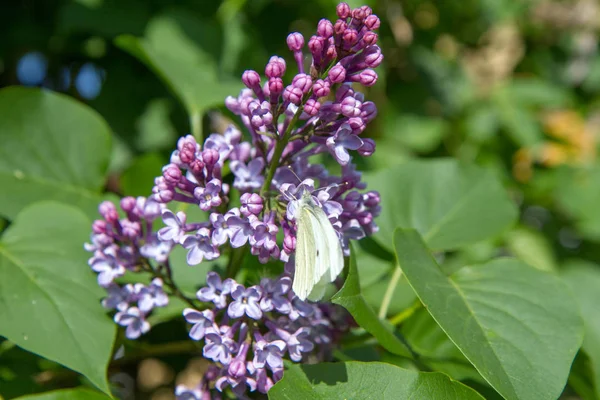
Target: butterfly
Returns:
[319, 256]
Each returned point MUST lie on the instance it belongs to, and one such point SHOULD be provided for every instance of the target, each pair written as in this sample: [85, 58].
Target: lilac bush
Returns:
[247, 331]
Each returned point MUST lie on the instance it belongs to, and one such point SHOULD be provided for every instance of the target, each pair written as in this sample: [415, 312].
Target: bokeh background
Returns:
[511, 85]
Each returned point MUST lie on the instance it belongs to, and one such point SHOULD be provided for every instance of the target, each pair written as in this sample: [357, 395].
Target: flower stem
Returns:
[389, 292]
[405, 314]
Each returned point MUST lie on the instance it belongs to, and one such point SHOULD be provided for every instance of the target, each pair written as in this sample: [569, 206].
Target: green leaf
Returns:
[138, 179]
[533, 248]
[67, 394]
[53, 148]
[451, 204]
[360, 380]
[189, 70]
[352, 300]
[518, 326]
[584, 279]
[49, 298]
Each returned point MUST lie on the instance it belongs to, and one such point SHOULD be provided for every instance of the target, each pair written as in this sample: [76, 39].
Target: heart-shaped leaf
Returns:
[361, 380]
[49, 298]
[451, 204]
[52, 148]
[519, 326]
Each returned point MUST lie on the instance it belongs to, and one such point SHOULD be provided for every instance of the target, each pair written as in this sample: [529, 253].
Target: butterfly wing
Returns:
[319, 257]
[304, 275]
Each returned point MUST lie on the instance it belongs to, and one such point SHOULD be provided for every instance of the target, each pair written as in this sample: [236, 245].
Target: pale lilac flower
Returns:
[200, 247]
[269, 353]
[118, 297]
[248, 177]
[341, 142]
[208, 197]
[219, 345]
[152, 296]
[245, 302]
[175, 226]
[135, 322]
[108, 268]
[202, 322]
[215, 291]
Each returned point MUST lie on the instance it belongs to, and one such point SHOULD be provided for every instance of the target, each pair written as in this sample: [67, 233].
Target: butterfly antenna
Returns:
[292, 171]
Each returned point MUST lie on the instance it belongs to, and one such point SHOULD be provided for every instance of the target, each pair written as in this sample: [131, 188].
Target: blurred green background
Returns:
[511, 85]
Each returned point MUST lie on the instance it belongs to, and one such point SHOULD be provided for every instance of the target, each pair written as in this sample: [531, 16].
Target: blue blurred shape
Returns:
[89, 81]
[32, 68]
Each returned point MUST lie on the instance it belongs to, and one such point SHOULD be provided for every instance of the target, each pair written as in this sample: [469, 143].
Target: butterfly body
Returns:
[319, 256]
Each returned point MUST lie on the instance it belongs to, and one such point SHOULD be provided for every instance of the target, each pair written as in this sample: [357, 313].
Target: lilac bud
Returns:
[350, 36]
[131, 229]
[251, 79]
[367, 148]
[210, 157]
[292, 94]
[343, 10]
[357, 124]
[372, 22]
[340, 27]
[368, 111]
[164, 195]
[321, 88]
[295, 41]
[331, 52]
[370, 38]
[316, 44]
[275, 67]
[337, 74]
[325, 28]
[372, 199]
[359, 14]
[99, 226]
[367, 10]
[108, 211]
[128, 204]
[275, 87]
[350, 107]
[344, 91]
[252, 203]
[302, 82]
[373, 56]
[172, 174]
[311, 107]
[368, 77]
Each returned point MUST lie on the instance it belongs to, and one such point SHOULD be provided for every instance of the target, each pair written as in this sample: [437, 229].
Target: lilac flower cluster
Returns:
[249, 356]
[126, 244]
[248, 186]
[316, 113]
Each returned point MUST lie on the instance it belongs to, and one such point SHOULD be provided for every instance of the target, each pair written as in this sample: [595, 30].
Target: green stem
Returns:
[196, 126]
[405, 314]
[389, 292]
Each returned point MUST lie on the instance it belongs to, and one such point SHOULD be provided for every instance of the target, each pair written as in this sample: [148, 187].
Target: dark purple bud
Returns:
[292, 94]
[350, 107]
[251, 79]
[370, 38]
[164, 195]
[343, 10]
[99, 226]
[172, 174]
[337, 74]
[373, 56]
[325, 28]
[275, 67]
[357, 124]
[316, 45]
[302, 82]
[237, 368]
[350, 36]
[331, 52]
[340, 27]
[368, 77]
[312, 107]
[295, 41]
[372, 22]
[372, 199]
[321, 88]
[252, 203]
[343, 92]
[367, 10]
[367, 148]
[275, 87]
[359, 14]
[128, 204]
[210, 157]
[368, 111]
[108, 211]
[197, 167]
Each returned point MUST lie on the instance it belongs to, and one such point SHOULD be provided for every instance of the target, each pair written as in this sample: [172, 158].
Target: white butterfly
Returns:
[319, 257]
